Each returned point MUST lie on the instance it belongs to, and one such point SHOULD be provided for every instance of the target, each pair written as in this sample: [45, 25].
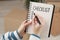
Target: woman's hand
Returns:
[23, 27]
[36, 26]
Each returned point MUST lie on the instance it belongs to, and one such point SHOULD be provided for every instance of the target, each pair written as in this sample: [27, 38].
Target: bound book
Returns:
[44, 10]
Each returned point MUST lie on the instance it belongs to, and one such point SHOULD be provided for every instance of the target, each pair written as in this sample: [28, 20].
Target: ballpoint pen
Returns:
[37, 19]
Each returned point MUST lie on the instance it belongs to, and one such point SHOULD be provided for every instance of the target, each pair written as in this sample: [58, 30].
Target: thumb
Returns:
[27, 23]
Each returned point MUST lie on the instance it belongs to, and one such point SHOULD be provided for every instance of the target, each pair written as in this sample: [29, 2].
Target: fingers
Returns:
[28, 23]
[34, 21]
[41, 19]
[25, 21]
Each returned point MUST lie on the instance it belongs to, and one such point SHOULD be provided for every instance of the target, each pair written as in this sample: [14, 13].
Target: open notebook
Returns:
[44, 10]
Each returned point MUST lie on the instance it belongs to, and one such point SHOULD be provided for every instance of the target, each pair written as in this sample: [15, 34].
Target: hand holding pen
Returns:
[37, 23]
[40, 19]
[37, 19]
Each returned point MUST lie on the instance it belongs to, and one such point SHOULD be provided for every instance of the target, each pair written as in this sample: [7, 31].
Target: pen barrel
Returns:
[38, 20]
